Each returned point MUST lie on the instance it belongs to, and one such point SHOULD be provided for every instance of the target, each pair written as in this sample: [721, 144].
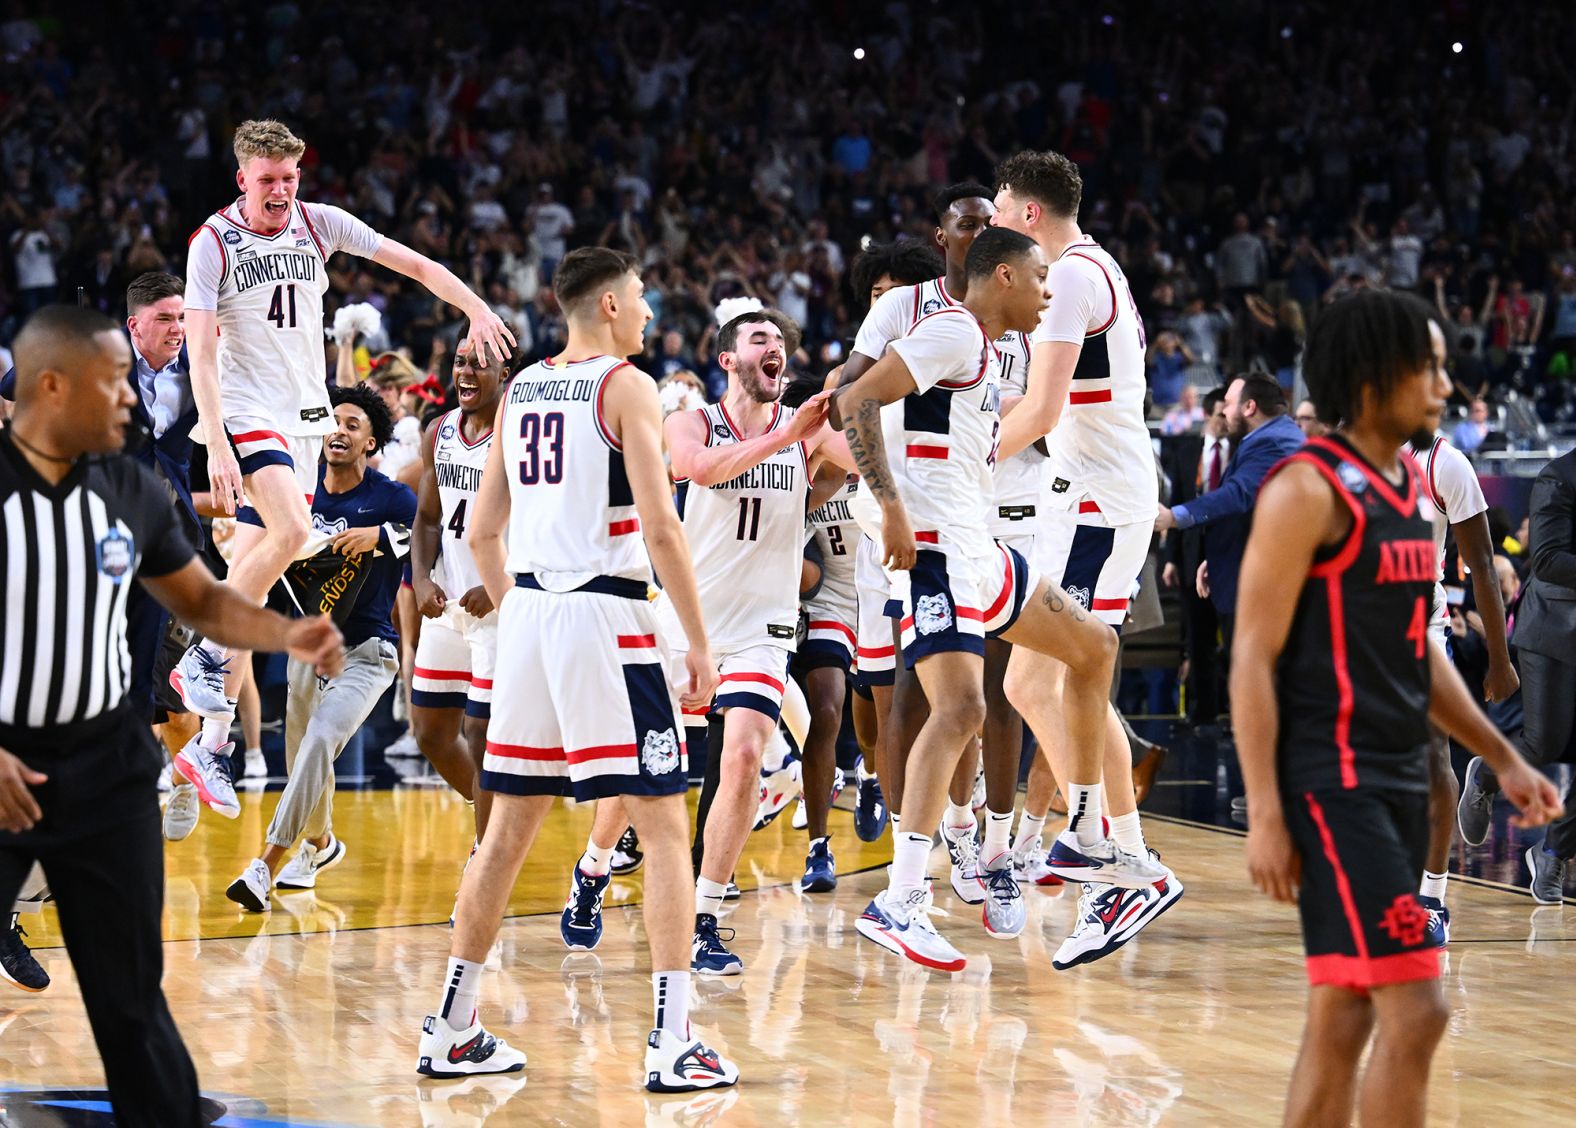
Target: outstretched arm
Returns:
[487, 329]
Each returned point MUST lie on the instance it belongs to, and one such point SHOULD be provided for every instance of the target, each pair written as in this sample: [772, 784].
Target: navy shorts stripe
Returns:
[929, 578]
[1091, 548]
[821, 653]
[253, 462]
[427, 699]
[651, 710]
[481, 710]
[741, 699]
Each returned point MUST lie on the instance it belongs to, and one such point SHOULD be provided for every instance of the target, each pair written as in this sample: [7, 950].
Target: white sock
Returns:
[1084, 812]
[775, 754]
[958, 817]
[1128, 834]
[1434, 885]
[1030, 828]
[459, 993]
[910, 856]
[596, 861]
[998, 834]
[897, 823]
[708, 895]
[215, 733]
[860, 773]
[671, 992]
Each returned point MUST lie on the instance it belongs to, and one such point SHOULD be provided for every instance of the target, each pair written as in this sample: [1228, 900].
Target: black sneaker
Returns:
[17, 964]
[627, 855]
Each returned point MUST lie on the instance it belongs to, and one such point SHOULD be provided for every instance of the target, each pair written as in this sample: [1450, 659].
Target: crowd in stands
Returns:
[1246, 163]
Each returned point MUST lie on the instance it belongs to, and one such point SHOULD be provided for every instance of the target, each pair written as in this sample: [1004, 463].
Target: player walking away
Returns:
[935, 490]
[451, 691]
[1453, 500]
[255, 278]
[585, 702]
[361, 528]
[1093, 526]
[1334, 681]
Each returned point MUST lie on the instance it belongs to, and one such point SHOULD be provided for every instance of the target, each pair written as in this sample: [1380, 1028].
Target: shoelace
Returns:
[587, 905]
[220, 765]
[627, 843]
[921, 907]
[212, 670]
[711, 936]
[1001, 885]
[966, 851]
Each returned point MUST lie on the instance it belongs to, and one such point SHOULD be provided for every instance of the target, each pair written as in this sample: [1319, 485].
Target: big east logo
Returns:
[1405, 562]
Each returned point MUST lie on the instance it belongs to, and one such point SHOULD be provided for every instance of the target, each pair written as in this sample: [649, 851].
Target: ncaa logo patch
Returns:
[232, 237]
[114, 552]
[930, 307]
[1352, 477]
[659, 754]
[932, 613]
[1081, 594]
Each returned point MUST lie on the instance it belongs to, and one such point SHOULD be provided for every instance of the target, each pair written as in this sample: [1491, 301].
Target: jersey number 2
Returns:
[277, 307]
[542, 437]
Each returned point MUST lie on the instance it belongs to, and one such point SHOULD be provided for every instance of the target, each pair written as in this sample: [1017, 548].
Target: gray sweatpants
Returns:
[320, 718]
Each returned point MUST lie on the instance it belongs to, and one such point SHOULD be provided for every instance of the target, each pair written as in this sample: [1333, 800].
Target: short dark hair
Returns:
[587, 272]
[55, 337]
[154, 286]
[801, 386]
[1049, 179]
[1373, 338]
[952, 193]
[991, 248]
[728, 335]
[377, 412]
[908, 262]
[1211, 398]
[1264, 390]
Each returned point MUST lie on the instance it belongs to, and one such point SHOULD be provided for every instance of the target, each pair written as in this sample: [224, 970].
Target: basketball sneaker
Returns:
[209, 770]
[1475, 809]
[199, 678]
[447, 1052]
[731, 891]
[180, 813]
[1438, 931]
[674, 1065]
[256, 765]
[1547, 875]
[801, 813]
[1105, 863]
[977, 796]
[1030, 864]
[964, 849]
[1004, 913]
[301, 871]
[1109, 916]
[627, 855]
[820, 874]
[17, 964]
[251, 890]
[581, 922]
[778, 789]
[870, 814]
[904, 927]
[708, 956]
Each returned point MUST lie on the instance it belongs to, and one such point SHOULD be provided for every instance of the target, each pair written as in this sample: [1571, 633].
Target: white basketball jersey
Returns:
[1451, 494]
[268, 293]
[837, 534]
[571, 511]
[896, 312]
[746, 537]
[1017, 478]
[458, 466]
[1100, 450]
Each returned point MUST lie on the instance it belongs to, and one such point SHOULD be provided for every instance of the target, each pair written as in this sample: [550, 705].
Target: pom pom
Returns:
[357, 319]
[729, 308]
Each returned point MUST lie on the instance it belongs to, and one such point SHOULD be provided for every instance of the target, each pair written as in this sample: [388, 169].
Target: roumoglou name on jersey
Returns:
[533, 391]
[251, 272]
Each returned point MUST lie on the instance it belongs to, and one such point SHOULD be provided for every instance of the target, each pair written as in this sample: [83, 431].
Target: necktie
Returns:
[1214, 468]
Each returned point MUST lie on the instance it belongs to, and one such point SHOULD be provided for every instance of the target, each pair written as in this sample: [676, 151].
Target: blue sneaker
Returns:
[870, 816]
[819, 874]
[581, 923]
[1105, 863]
[1438, 932]
[708, 956]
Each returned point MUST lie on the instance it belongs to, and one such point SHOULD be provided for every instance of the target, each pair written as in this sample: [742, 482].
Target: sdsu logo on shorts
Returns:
[1081, 595]
[932, 613]
[659, 755]
[114, 555]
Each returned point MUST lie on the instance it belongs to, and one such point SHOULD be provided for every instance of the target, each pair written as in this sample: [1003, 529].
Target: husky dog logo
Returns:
[932, 613]
[1081, 594]
[659, 755]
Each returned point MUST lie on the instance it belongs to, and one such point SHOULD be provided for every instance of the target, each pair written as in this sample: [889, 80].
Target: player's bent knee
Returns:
[962, 712]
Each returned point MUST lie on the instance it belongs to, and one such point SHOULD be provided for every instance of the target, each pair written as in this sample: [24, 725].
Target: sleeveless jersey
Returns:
[268, 293]
[571, 511]
[1353, 682]
[836, 534]
[1100, 450]
[746, 537]
[1451, 491]
[458, 466]
[1017, 478]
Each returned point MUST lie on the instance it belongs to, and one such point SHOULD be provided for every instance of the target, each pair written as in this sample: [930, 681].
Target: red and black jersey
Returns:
[1353, 681]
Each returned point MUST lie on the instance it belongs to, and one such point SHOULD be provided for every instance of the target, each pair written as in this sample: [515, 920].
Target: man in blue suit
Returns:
[1261, 435]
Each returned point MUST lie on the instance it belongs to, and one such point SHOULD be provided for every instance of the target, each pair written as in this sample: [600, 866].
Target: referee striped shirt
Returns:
[69, 553]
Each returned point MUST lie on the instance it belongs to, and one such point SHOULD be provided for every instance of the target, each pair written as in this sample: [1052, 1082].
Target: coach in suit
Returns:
[1261, 434]
[163, 417]
[1196, 464]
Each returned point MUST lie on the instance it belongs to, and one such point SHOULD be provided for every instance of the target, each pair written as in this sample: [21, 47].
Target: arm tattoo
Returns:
[866, 444]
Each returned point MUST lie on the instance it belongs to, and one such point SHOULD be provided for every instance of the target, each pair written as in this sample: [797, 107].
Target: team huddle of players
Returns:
[978, 491]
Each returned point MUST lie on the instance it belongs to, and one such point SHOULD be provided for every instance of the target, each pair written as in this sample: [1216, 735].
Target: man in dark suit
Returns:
[1261, 434]
[1545, 639]
[1196, 464]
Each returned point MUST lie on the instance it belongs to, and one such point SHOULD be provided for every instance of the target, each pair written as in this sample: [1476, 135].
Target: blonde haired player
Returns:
[256, 274]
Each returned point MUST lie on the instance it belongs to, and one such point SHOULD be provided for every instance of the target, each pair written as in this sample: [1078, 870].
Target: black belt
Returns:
[1014, 512]
[621, 586]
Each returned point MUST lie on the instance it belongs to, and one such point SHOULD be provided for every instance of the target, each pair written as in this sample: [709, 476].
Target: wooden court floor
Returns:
[309, 1015]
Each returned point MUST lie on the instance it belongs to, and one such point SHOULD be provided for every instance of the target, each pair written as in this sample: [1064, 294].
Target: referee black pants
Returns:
[1548, 734]
[100, 845]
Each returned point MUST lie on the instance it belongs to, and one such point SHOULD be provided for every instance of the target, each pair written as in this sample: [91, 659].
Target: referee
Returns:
[78, 768]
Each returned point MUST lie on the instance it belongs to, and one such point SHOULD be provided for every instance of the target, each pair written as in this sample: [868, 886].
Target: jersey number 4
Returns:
[284, 297]
[542, 448]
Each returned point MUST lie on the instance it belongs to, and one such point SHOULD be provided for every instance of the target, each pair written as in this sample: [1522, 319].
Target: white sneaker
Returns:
[801, 815]
[447, 1052]
[977, 797]
[251, 890]
[1005, 913]
[165, 782]
[778, 789]
[301, 871]
[404, 747]
[904, 927]
[1109, 916]
[674, 1065]
[964, 849]
[180, 813]
[199, 678]
[1105, 863]
[209, 770]
[256, 764]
